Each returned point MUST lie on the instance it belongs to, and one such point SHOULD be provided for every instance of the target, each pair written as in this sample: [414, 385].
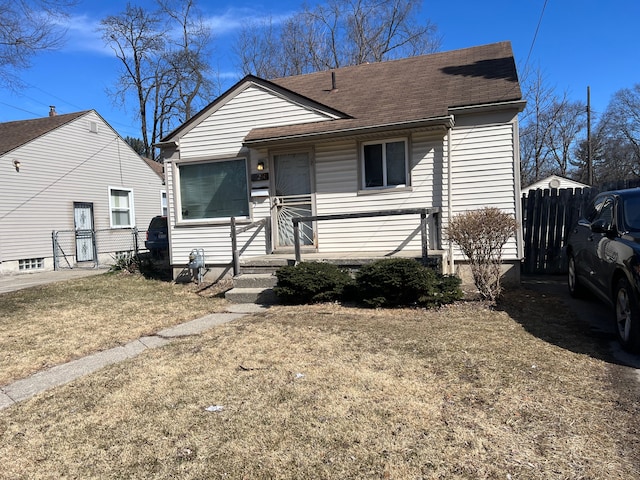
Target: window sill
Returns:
[383, 190]
[211, 222]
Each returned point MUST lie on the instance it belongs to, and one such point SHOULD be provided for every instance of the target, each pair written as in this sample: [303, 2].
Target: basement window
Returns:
[31, 264]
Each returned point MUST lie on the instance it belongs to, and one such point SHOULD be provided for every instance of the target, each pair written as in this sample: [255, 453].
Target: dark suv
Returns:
[158, 237]
[604, 257]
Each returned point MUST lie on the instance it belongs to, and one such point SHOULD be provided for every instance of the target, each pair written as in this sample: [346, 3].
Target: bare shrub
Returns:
[481, 235]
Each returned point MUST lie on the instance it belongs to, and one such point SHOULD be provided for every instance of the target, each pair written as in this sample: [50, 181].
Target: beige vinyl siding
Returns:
[482, 164]
[67, 165]
[222, 132]
[337, 182]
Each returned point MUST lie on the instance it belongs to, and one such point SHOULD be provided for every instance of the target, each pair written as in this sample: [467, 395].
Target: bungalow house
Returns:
[364, 150]
[74, 175]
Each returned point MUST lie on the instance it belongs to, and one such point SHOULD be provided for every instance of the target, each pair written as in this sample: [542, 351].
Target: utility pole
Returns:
[589, 160]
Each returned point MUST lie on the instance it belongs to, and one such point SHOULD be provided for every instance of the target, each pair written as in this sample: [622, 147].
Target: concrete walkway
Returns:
[61, 374]
[18, 281]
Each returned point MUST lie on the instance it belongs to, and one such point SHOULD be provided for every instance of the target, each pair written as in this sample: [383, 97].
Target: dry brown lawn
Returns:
[331, 392]
[52, 324]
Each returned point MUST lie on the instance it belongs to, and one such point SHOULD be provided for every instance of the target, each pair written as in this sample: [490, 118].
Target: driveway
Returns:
[18, 281]
[596, 315]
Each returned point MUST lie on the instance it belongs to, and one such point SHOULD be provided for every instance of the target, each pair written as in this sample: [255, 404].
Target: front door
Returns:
[83, 222]
[294, 198]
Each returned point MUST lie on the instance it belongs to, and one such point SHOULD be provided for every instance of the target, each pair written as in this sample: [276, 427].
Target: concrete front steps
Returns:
[253, 288]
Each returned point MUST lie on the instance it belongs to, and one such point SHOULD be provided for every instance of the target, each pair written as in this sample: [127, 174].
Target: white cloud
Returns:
[235, 18]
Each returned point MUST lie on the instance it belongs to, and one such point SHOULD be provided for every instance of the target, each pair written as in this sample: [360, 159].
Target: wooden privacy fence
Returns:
[548, 216]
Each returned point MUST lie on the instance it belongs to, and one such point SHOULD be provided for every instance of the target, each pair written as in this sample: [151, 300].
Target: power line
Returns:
[535, 35]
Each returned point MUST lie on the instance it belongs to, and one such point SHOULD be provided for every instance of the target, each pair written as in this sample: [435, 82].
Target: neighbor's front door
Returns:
[293, 197]
[83, 222]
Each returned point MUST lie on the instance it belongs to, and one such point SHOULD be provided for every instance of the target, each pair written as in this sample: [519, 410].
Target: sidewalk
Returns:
[61, 374]
[17, 281]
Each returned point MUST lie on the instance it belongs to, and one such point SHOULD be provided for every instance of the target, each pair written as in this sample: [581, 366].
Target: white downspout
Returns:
[452, 269]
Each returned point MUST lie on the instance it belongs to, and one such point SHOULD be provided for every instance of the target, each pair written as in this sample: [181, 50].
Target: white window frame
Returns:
[385, 185]
[178, 194]
[164, 205]
[112, 208]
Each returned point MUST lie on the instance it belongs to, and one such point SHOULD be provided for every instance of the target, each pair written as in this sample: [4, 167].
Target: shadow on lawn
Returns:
[543, 306]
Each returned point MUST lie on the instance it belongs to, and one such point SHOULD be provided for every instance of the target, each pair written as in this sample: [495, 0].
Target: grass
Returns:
[48, 325]
[325, 391]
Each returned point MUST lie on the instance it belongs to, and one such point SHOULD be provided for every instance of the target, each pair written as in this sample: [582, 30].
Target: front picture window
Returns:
[214, 190]
[385, 164]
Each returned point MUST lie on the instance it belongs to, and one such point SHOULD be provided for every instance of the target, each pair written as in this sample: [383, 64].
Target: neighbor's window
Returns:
[121, 207]
[384, 164]
[214, 190]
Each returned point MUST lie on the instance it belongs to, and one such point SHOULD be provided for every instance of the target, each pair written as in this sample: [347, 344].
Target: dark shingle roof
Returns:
[400, 91]
[16, 134]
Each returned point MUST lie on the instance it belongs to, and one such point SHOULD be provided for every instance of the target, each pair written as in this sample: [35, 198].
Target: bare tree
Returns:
[623, 118]
[336, 34]
[164, 59]
[551, 128]
[136, 38]
[26, 28]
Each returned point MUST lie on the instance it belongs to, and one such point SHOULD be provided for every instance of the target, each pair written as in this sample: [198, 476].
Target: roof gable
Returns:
[240, 88]
[15, 134]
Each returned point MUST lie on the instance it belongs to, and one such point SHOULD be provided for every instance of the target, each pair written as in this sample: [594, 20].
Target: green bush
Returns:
[398, 282]
[311, 282]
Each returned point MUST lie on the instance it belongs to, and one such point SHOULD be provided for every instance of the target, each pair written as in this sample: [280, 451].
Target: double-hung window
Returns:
[384, 164]
[121, 207]
[214, 190]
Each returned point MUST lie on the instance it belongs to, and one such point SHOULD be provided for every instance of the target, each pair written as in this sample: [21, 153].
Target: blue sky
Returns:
[579, 43]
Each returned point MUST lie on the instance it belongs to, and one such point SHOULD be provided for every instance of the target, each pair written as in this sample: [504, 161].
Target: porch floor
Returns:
[338, 258]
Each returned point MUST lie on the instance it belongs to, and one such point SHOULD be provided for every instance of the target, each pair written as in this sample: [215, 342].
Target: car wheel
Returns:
[575, 287]
[626, 316]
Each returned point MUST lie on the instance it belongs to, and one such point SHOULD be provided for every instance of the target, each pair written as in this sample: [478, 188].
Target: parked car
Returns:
[603, 250]
[157, 241]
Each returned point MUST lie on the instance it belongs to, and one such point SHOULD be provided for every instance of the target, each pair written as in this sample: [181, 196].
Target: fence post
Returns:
[55, 251]
[95, 248]
[423, 235]
[234, 248]
[135, 240]
[296, 238]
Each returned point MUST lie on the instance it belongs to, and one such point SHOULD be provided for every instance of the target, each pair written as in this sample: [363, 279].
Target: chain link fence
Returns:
[93, 248]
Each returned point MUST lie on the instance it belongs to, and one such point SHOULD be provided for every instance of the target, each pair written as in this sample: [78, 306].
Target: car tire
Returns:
[576, 290]
[626, 316]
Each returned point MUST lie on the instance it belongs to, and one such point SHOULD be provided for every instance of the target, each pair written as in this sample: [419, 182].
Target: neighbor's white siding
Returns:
[483, 171]
[67, 165]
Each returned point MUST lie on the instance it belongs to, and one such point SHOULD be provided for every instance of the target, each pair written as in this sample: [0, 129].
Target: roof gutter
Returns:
[446, 121]
[517, 104]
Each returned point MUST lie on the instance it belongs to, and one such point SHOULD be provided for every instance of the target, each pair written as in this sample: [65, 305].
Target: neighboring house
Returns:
[553, 182]
[433, 131]
[75, 175]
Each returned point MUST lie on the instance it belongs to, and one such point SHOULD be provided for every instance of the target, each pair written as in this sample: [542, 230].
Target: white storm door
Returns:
[294, 198]
[83, 222]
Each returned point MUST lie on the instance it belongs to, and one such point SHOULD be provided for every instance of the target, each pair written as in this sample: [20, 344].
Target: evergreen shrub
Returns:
[396, 282]
[311, 282]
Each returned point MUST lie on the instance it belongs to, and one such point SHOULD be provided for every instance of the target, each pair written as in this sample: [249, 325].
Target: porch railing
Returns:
[235, 231]
[423, 212]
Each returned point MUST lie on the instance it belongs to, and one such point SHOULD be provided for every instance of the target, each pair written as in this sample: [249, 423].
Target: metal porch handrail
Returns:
[423, 212]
